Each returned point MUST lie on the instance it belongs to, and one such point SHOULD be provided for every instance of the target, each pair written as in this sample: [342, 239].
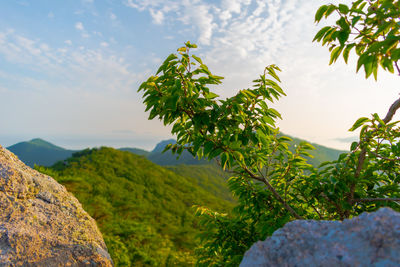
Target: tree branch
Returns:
[375, 199]
[274, 192]
[392, 110]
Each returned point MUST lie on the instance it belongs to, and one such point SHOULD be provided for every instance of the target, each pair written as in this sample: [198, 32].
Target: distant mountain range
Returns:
[41, 152]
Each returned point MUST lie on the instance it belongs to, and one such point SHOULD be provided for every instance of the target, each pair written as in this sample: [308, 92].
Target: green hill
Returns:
[137, 151]
[143, 210]
[210, 177]
[40, 152]
[167, 158]
[321, 153]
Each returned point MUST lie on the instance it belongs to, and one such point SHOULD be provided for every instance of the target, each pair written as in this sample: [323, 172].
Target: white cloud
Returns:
[68, 42]
[79, 26]
[84, 68]
[197, 13]
[50, 15]
[113, 16]
[157, 16]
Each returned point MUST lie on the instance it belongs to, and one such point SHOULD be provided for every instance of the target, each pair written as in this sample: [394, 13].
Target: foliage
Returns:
[371, 27]
[274, 183]
[143, 210]
[209, 176]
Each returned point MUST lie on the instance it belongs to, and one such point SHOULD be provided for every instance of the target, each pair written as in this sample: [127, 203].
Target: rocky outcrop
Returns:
[41, 224]
[371, 239]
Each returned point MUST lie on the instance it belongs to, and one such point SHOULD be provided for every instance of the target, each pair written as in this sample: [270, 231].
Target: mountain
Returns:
[143, 210]
[321, 153]
[137, 151]
[168, 158]
[40, 152]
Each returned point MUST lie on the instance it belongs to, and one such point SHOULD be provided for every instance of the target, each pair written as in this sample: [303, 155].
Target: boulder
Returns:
[41, 224]
[371, 239]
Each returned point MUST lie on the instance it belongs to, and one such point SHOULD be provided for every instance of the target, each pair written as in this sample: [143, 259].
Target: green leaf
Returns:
[335, 54]
[211, 95]
[355, 20]
[321, 33]
[197, 59]
[330, 9]
[376, 117]
[358, 123]
[343, 37]
[353, 146]
[346, 52]
[343, 8]
[320, 12]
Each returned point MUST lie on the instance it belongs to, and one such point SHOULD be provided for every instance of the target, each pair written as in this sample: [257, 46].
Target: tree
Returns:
[273, 184]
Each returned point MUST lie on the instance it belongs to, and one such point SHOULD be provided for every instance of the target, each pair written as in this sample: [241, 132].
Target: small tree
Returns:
[273, 184]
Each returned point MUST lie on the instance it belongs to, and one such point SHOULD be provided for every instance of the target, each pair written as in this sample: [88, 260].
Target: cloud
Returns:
[81, 68]
[68, 42]
[346, 139]
[79, 26]
[197, 13]
[50, 15]
[157, 16]
[113, 16]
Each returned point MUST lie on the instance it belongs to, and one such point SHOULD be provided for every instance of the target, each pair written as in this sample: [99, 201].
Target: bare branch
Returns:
[392, 110]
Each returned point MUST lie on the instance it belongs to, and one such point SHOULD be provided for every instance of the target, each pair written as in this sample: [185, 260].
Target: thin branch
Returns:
[385, 158]
[397, 67]
[376, 199]
[274, 192]
[338, 208]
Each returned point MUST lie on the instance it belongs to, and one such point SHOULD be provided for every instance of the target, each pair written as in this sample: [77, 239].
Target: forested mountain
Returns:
[143, 210]
[321, 153]
[40, 152]
[137, 151]
[168, 158]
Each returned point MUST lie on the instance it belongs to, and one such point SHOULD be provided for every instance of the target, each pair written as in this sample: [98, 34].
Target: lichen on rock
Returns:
[41, 224]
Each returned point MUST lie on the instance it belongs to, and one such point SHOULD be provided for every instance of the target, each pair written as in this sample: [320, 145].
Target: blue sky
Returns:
[69, 70]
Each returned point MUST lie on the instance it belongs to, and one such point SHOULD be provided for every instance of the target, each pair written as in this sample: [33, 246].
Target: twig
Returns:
[274, 192]
[375, 199]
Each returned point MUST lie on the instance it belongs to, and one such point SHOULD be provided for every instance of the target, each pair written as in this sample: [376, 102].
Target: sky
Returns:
[69, 70]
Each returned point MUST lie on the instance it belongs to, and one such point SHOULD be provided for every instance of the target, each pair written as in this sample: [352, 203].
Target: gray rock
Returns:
[371, 239]
[41, 224]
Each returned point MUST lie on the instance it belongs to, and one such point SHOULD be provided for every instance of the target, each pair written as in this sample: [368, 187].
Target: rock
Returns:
[41, 224]
[371, 239]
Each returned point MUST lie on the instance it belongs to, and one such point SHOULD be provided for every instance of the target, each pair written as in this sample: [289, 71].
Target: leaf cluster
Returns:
[370, 27]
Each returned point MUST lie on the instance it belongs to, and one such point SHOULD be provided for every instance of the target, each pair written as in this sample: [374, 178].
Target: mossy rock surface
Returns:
[41, 224]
